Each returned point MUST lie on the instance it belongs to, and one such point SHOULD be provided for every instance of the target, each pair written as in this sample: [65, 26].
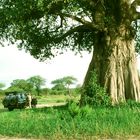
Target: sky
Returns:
[16, 64]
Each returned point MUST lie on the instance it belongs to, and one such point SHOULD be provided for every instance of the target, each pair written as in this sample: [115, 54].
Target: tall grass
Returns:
[60, 123]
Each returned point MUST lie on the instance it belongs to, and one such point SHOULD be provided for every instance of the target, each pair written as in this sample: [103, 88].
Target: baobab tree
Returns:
[45, 28]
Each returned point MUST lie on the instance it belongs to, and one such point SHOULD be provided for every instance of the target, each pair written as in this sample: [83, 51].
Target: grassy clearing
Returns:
[58, 122]
[52, 99]
[56, 99]
[70, 122]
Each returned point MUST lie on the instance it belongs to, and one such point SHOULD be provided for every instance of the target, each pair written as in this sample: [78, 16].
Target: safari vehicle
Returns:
[17, 100]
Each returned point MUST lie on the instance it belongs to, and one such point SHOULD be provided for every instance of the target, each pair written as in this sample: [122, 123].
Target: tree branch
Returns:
[80, 28]
[75, 18]
[82, 21]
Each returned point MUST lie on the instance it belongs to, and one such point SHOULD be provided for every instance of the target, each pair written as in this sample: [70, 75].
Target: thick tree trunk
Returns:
[115, 63]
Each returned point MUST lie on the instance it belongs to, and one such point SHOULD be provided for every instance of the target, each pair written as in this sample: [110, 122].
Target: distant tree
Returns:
[22, 85]
[37, 82]
[45, 91]
[13, 89]
[2, 85]
[69, 80]
[58, 84]
[64, 83]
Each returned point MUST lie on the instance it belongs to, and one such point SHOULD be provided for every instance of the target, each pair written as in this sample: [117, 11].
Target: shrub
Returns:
[85, 110]
[73, 108]
[94, 94]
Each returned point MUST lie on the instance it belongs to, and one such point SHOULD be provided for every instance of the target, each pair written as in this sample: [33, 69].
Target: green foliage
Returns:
[65, 81]
[95, 94]
[59, 87]
[33, 85]
[69, 80]
[73, 108]
[36, 82]
[77, 90]
[57, 123]
[46, 28]
[45, 91]
[2, 85]
[14, 89]
[128, 104]
[21, 84]
[42, 27]
[63, 84]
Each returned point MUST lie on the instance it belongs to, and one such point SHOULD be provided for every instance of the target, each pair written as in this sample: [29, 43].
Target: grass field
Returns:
[71, 122]
[58, 122]
[52, 99]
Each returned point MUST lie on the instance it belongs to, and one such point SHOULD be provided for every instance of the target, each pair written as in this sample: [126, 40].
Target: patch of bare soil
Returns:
[81, 138]
[13, 138]
[50, 105]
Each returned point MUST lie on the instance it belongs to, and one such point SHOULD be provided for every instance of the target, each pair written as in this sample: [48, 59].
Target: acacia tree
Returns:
[46, 27]
[64, 83]
[69, 80]
[36, 82]
[58, 84]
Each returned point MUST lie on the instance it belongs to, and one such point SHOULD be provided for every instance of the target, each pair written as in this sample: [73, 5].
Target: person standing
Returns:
[29, 100]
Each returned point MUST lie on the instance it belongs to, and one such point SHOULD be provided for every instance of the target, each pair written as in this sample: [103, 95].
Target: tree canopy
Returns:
[36, 82]
[21, 84]
[64, 82]
[45, 28]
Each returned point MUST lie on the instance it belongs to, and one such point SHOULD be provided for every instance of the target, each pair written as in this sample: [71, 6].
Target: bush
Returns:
[94, 94]
[85, 110]
[75, 110]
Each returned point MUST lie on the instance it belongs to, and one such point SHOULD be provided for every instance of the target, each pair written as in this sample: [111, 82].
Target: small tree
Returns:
[64, 83]
[37, 82]
[69, 80]
[58, 85]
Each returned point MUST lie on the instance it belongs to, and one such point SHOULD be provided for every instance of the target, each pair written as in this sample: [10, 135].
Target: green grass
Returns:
[67, 122]
[54, 99]
[57, 122]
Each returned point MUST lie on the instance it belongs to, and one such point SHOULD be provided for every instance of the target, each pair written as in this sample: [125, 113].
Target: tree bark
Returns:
[114, 61]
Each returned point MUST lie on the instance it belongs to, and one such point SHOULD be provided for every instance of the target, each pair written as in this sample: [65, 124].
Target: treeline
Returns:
[37, 86]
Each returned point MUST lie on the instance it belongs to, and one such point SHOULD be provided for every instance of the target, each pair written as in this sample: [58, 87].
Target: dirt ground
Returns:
[50, 105]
